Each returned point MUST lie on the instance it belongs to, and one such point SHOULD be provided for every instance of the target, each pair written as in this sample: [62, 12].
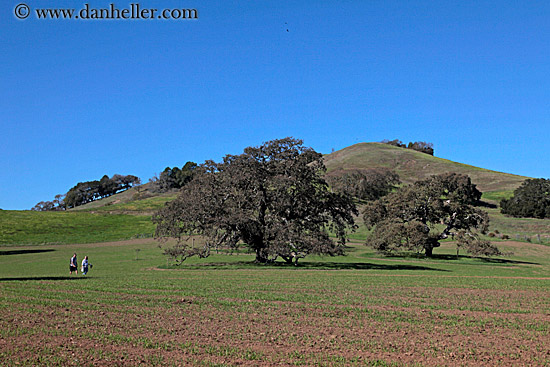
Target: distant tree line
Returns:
[173, 178]
[419, 146]
[56, 204]
[85, 192]
[531, 199]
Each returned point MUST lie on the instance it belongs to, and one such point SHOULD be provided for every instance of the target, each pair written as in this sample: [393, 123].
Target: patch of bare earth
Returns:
[428, 327]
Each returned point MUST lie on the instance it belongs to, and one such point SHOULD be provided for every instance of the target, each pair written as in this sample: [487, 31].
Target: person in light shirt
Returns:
[85, 265]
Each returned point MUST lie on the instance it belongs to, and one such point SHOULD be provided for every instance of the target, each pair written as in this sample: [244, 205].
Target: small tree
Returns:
[58, 202]
[273, 198]
[185, 175]
[418, 216]
[43, 206]
[422, 146]
[395, 143]
[82, 193]
[55, 205]
[124, 182]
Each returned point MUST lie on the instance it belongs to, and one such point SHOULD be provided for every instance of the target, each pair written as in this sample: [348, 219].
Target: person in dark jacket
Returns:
[73, 265]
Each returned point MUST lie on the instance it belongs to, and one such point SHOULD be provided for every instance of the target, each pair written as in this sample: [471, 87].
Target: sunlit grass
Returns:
[134, 305]
[30, 227]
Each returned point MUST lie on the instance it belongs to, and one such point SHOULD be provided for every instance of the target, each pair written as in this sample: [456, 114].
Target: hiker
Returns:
[73, 265]
[85, 265]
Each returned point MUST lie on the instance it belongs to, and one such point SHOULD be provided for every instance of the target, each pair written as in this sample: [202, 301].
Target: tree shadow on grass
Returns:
[362, 266]
[486, 204]
[447, 257]
[504, 261]
[21, 252]
[40, 278]
[307, 265]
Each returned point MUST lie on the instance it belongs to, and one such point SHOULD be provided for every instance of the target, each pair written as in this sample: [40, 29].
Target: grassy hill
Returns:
[116, 205]
[412, 166]
[122, 216]
[31, 227]
[137, 200]
[409, 164]
[128, 214]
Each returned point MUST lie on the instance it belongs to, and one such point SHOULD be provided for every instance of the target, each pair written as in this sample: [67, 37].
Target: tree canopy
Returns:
[273, 198]
[364, 185]
[531, 199]
[85, 192]
[419, 146]
[174, 178]
[56, 204]
[418, 216]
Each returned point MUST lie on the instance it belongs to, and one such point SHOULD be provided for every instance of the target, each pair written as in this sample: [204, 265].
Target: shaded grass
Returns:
[309, 265]
[24, 251]
[39, 278]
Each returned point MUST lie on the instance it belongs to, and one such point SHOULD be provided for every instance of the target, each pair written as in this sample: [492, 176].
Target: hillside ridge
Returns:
[412, 165]
[409, 164]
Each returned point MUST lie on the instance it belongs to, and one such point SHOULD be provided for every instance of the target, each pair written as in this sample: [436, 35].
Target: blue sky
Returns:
[82, 98]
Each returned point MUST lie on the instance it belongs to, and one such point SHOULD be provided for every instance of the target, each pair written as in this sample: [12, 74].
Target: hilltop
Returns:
[128, 214]
[413, 166]
[141, 200]
[409, 164]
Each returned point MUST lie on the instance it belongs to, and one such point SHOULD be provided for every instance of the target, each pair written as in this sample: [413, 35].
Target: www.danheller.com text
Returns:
[133, 11]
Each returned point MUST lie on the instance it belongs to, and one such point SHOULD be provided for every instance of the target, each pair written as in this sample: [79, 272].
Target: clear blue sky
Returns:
[80, 99]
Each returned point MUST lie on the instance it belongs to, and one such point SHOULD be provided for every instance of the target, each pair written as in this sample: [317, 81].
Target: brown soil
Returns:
[194, 331]
[398, 326]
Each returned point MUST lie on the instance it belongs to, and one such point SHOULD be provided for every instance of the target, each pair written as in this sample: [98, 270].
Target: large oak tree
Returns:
[418, 216]
[272, 198]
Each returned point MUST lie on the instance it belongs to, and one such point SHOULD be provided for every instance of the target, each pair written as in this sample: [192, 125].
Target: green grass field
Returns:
[122, 216]
[30, 227]
[135, 309]
[495, 197]
[102, 224]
